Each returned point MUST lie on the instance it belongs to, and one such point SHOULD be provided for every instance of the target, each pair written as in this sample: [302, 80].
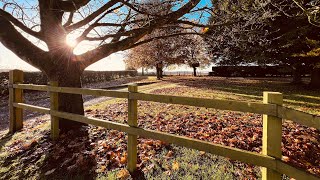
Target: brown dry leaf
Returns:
[123, 174]
[123, 160]
[105, 145]
[28, 145]
[150, 142]
[168, 173]
[169, 154]
[175, 166]
[101, 169]
[285, 158]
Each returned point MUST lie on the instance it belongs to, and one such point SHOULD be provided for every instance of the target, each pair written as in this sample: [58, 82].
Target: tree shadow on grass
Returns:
[66, 158]
[4, 139]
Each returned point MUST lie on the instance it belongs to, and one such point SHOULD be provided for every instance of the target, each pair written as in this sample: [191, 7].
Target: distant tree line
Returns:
[256, 71]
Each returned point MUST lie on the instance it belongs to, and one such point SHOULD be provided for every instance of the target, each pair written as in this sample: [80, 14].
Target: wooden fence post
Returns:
[54, 106]
[272, 134]
[132, 121]
[15, 96]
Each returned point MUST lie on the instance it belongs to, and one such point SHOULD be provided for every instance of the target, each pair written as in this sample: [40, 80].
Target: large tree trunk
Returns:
[158, 73]
[161, 73]
[315, 77]
[296, 74]
[194, 71]
[68, 75]
[159, 70]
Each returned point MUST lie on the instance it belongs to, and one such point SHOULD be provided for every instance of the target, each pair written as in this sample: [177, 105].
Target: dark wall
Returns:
[87, 77]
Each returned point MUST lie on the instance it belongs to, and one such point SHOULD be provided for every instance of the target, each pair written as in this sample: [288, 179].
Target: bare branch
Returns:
[71, 5]
[163, 37]
[17, 23]
[92, 16]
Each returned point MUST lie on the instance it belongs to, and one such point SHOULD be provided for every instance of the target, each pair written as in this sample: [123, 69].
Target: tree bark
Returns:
[296, 74]
[194, 71]
[315, 78]
[161, 73]
[158, 73]
[68, 74]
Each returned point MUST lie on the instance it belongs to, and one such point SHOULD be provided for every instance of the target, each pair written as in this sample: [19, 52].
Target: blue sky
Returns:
[9, 60]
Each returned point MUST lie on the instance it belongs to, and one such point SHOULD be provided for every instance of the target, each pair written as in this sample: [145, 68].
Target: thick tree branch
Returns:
[23, 48]
[19, 24]
[69, 21]
[116, 35]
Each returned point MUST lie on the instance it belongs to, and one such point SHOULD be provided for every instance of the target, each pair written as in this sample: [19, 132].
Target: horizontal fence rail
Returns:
[271, 108]
[299, 117]
[242, 106]
[32, 108]
[69, 90]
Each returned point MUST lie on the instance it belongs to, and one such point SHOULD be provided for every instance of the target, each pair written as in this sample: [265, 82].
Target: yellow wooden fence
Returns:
[271, 108]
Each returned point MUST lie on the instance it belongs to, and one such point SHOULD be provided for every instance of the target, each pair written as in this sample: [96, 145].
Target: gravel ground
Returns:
[42, 98]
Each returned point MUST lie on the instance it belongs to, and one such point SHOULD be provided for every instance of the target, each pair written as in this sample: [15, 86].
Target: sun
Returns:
[71, 41]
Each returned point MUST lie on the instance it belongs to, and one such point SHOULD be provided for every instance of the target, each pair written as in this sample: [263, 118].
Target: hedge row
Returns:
[87, 77]
[256, 71]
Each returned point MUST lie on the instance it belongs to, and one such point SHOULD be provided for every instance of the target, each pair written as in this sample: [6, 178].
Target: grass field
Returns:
[102, 155]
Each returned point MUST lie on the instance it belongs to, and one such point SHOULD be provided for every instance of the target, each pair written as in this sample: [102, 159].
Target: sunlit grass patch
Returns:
[191, 164]
[15, 160]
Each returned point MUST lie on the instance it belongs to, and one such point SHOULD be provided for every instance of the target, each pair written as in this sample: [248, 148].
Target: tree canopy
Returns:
[161, 53]
[272, 32]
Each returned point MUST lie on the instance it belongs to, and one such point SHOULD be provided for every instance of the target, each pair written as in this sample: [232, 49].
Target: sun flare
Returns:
[70, 41]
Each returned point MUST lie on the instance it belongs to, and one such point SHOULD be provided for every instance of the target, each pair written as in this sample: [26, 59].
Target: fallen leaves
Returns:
[169, 154]
[234, 129]
[123, 174]
[175, 166]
